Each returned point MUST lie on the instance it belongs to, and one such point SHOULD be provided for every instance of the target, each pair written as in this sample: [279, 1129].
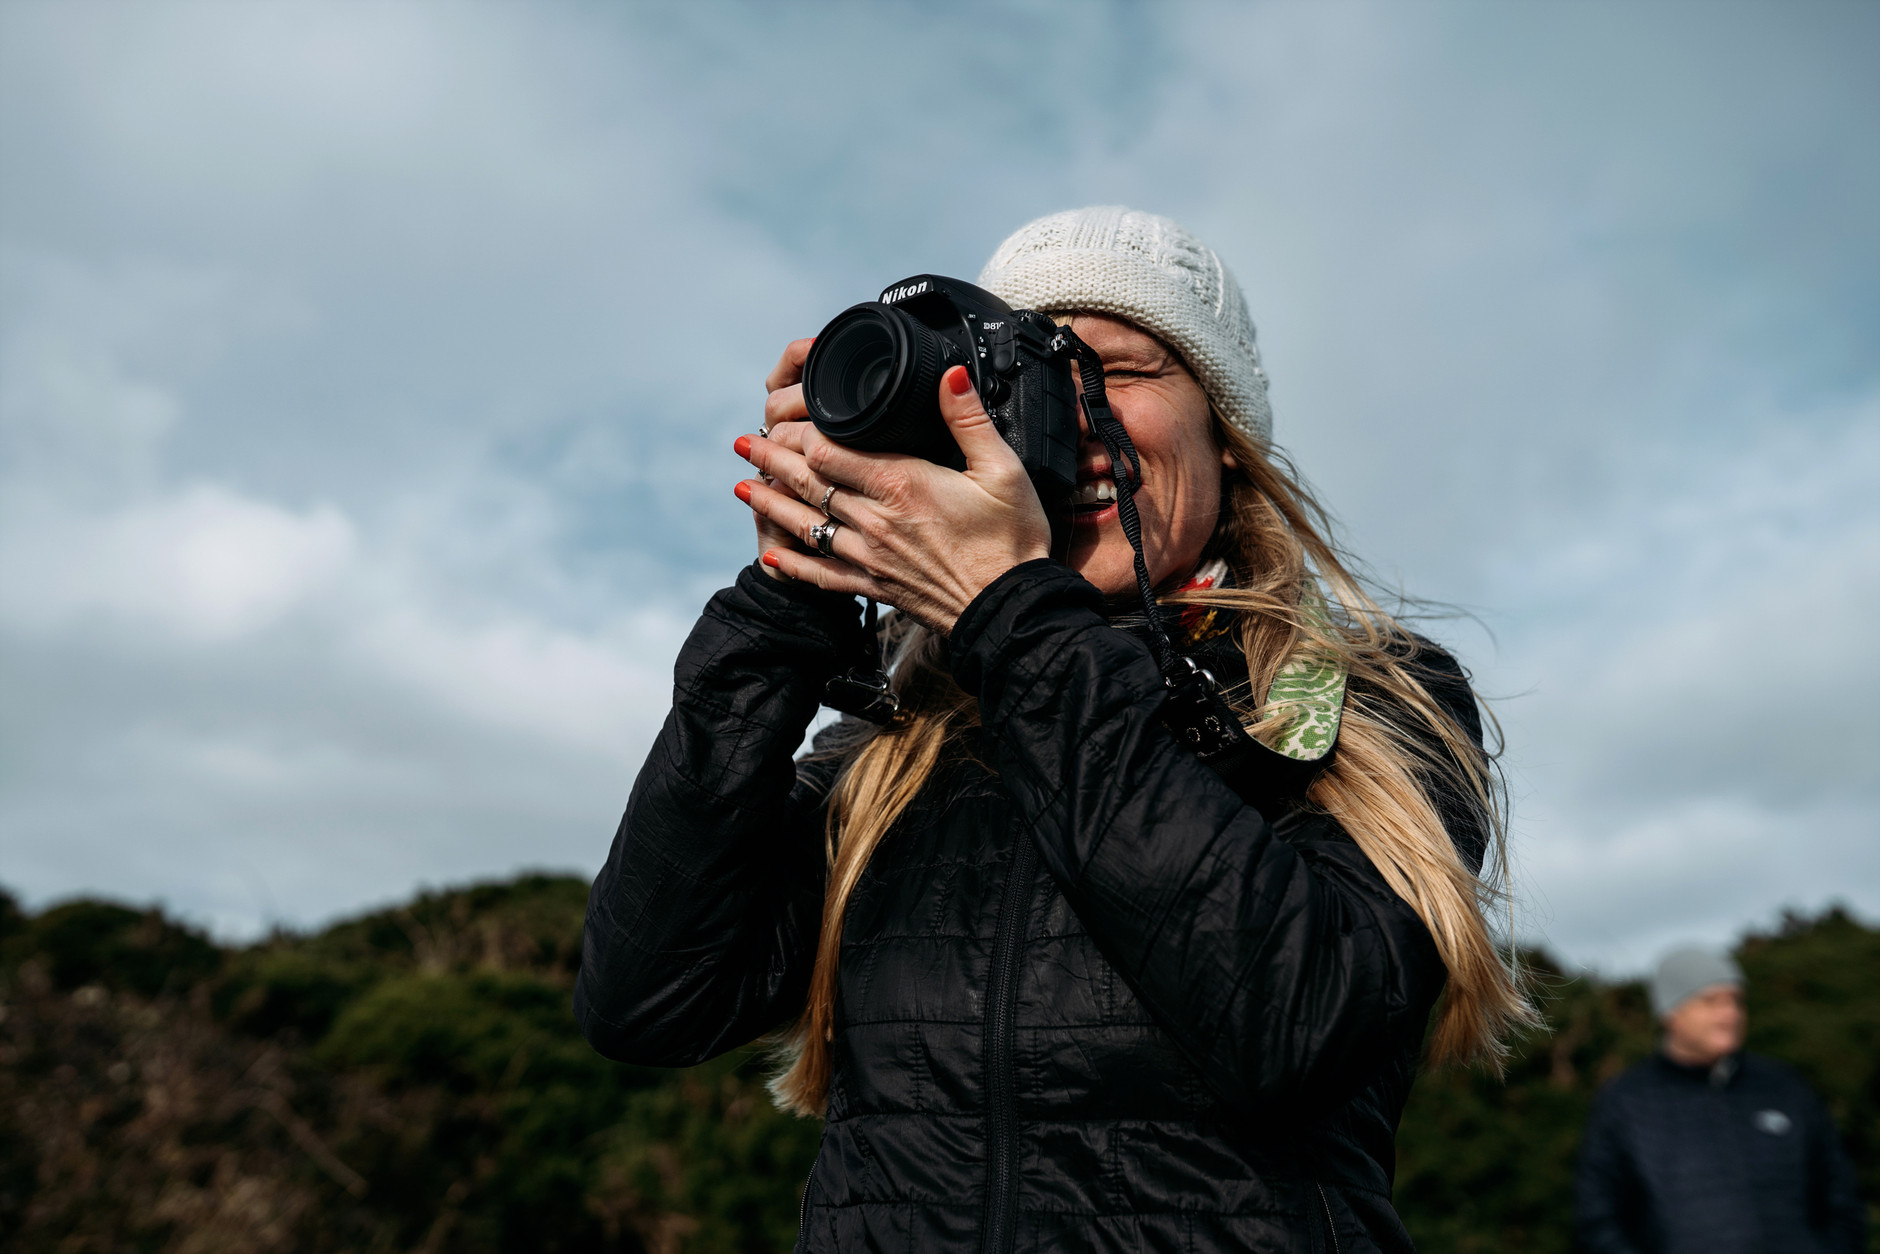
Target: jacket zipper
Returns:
[1001, 1138]
[1325, 1207]
[802, 1206]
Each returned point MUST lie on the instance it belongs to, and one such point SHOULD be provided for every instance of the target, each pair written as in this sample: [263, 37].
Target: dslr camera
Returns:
[872, 378]
[872, 382]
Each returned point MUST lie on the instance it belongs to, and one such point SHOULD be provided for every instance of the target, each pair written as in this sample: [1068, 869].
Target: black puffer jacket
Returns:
[1195, 1030]
[1739, 1158]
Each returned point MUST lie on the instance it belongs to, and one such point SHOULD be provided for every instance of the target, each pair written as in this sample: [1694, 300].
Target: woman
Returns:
[1053, 982]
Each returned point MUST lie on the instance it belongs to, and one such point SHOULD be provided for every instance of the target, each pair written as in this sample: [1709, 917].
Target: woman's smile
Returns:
[1093, 494]
[1093, 501]
[1167, 416]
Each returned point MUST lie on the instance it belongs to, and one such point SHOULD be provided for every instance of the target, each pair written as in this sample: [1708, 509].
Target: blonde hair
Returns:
[1291, 591]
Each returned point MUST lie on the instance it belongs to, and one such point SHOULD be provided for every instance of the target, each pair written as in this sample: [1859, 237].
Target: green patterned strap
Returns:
[1308, 694]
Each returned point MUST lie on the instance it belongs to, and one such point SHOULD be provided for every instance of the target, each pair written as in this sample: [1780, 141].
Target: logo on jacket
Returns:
[1774, 1122]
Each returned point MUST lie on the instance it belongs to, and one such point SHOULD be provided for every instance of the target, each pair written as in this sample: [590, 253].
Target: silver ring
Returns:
[763, 433]
[827, 493]
[823, 536]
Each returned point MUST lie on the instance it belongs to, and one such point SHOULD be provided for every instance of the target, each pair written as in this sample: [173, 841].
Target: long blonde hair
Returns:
[1395, 745]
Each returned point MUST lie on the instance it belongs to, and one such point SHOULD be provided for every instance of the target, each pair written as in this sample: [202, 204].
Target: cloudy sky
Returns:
[368, 375]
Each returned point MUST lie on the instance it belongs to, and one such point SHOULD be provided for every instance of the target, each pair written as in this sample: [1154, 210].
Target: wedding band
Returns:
[823, 536]
[763, 433]
[827, 493]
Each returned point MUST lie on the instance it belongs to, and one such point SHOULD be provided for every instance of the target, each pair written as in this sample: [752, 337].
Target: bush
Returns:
[1814, 1002]
[412, 1079]
[709, 1159]
[286, 991]
[95, 942]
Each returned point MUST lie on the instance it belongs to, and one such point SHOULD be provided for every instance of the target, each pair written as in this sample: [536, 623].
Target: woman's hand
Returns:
[914, 535]
[784, 404]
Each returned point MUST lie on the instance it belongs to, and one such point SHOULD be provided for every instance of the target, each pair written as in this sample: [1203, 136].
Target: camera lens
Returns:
[858, 364]
[872, 382]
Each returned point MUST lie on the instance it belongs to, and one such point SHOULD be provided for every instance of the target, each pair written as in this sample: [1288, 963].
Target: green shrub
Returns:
[283, 990]
[413, 1079]
[95, 942]
[1814, 1002]
[709, 1157]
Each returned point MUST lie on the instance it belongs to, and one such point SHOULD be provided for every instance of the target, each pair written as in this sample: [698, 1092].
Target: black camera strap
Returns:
[1126, 470]
[863, 690]
[1196, 712]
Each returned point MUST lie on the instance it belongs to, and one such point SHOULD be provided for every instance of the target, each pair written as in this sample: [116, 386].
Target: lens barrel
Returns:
[872, 382]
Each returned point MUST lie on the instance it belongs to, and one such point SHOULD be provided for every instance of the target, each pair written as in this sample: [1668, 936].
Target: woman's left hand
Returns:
[914, 535]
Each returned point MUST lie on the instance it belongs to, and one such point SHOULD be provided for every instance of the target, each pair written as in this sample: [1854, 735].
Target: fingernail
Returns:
[959, 382]
[772, 560]
[743, 490]
[742, 446]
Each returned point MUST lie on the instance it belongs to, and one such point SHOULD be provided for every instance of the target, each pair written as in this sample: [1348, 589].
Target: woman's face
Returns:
[1166, 414]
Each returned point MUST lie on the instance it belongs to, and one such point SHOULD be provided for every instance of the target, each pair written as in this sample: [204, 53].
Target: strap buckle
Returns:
[1198, 714]
[865, 695]
[864, 689]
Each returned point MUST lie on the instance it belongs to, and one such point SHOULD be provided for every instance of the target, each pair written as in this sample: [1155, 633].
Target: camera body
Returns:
[872, 378]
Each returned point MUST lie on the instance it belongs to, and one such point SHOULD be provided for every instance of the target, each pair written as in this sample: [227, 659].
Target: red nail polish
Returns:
[742, 446]
[743, 490]
[959, 381]
[772, 560]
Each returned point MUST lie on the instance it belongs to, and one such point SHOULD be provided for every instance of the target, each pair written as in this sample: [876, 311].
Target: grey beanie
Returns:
[1151, 272]
[1686, 972]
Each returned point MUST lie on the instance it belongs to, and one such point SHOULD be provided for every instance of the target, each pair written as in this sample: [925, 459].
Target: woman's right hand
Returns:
[784, 404]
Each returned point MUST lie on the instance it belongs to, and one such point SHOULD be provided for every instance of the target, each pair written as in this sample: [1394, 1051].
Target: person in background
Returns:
[1707, 1147]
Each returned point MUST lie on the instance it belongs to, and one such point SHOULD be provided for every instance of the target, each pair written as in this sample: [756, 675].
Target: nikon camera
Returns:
[872, 378]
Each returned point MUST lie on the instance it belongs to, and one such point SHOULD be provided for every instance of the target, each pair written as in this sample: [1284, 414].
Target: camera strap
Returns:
[863, 690]
[1196, 712]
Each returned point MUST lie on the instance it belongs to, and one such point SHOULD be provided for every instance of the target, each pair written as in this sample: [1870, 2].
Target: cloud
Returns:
[1697, 868]
[229, 691]
[1693, 746]
[579, 690]
[1721, 630]
[205, 562]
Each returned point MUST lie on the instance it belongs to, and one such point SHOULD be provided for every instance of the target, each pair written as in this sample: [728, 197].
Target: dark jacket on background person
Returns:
[1195, 1030]
[1740, 1158]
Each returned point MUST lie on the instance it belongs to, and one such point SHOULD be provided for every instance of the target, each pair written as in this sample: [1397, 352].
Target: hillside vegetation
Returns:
[412, 1081]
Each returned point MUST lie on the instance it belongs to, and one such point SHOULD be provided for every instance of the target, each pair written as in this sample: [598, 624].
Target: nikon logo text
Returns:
[895, 295]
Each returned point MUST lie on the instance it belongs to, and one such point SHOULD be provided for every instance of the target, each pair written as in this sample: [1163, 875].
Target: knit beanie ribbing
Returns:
[1149, 271]
[1683, 973]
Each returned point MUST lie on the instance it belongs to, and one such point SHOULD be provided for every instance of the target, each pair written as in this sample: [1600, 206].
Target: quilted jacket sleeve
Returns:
[701, 927]
[1834, 1189]
[1285, 968]
[1608, 1197]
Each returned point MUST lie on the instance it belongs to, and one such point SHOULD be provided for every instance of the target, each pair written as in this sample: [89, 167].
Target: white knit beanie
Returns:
[1149, 271]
